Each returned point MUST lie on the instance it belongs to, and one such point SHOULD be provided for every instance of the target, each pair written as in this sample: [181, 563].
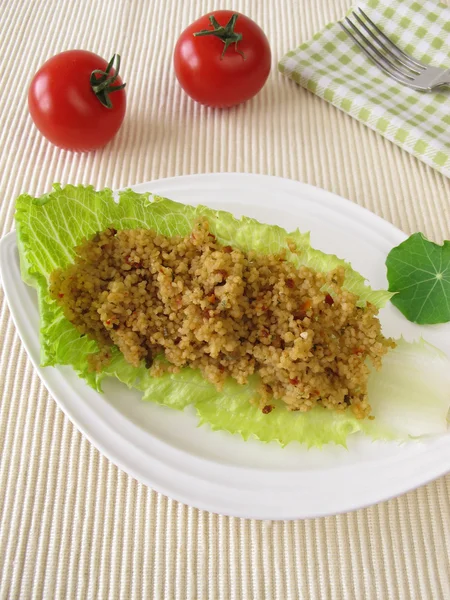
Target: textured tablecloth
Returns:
[72, 525]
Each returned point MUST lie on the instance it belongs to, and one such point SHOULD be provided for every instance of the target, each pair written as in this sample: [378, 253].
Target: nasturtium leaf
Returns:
[419, 272]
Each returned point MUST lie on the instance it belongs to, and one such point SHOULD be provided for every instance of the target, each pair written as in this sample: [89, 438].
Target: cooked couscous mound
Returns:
[226, 312]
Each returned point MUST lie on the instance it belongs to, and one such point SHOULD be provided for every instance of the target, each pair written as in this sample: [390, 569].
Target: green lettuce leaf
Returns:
[49, 228]
[314, 428]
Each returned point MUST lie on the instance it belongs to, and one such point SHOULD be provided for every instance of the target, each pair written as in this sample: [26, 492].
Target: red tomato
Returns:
[68, 107]
[222, 59]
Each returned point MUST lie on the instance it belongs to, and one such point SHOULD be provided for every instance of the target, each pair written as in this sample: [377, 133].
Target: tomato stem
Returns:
[226, 34]
[101, 82]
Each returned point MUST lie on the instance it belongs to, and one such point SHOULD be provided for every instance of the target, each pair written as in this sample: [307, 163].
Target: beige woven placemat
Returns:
[74, 526]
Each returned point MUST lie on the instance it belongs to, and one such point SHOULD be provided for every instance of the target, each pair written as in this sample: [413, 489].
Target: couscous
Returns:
[172, 302]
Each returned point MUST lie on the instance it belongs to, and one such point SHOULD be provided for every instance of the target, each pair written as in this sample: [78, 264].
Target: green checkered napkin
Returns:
[332, 66]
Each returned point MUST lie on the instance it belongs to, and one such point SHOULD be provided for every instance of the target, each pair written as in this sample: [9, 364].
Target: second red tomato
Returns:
[222, 59]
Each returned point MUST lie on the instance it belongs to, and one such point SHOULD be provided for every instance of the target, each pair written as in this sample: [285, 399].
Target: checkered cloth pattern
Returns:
[332, 66]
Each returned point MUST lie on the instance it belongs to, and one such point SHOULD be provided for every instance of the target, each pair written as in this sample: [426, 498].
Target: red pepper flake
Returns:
[227, 249]
[358, 350]
[329, 300]
[267, 409]
[306, 305]
[211, 298]
[221, 368]
[299, 315]
[290, 283]
[212, 236]
[60, 295]
[108, 321]
[294, 381]
[222, 272]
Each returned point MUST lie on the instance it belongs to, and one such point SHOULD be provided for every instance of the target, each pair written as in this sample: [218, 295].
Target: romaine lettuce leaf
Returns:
[411, 395]
[50, 227]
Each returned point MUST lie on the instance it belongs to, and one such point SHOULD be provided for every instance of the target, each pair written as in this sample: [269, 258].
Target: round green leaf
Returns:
[419, 272]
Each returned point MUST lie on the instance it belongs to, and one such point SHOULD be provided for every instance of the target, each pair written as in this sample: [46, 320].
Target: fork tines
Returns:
[380, 49]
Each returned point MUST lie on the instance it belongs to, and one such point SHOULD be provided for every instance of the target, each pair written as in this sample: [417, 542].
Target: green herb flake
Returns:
[418, 272]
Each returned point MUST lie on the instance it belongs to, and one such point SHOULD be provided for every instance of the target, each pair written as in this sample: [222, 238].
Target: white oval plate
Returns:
[217, 471]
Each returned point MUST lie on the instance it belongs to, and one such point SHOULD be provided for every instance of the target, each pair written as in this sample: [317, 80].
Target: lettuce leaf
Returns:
[411, 395]
[50, 227]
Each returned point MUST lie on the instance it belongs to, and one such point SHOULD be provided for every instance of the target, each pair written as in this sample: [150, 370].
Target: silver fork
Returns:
[388, 56]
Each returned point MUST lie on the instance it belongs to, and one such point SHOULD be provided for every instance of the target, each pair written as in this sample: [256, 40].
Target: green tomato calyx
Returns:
[101, 82]
[226, 34]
